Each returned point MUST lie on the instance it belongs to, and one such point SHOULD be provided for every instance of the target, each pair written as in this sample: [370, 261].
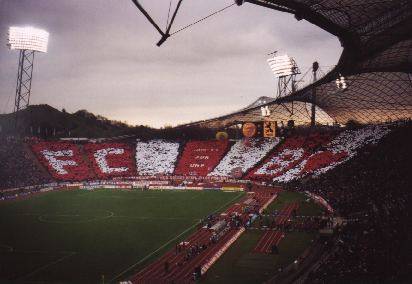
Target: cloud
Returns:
[102, 57]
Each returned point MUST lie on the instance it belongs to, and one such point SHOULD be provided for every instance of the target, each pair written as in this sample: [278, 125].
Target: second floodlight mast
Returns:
[285, 69]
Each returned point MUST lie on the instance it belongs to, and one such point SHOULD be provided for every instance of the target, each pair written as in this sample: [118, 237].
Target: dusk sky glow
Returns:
[102, 56]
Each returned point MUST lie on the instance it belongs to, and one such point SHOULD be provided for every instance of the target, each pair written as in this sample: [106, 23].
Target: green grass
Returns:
[241, 265]
[78, 236]
[306, 206]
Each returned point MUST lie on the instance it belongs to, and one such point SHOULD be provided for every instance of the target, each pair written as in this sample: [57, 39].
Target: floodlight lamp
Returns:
[282, 65]
[265, 111]
[262, 110]
[341, 82]
[28, 38]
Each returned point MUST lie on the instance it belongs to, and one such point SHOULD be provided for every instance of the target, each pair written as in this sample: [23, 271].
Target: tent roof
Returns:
[376, 62]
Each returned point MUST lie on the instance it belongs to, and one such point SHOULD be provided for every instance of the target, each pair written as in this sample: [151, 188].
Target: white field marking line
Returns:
[220, 252]
[113, 197]
[86, 191]
[147, 197]
[227, 203]
[11, 249]
[164, 245]
[153, 252]
[54, 215]
[44, 251]
[69, 254]
[91, 191]
[155, 218]
[266, 205]
[41, 219]
[24, 214]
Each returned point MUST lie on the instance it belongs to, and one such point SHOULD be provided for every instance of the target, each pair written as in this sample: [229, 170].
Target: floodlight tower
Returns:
[285, 69]
[27, 40]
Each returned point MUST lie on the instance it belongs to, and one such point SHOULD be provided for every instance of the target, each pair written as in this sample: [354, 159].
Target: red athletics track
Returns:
[268, 239]
[285, 213]
[271, 237]
[180, 268]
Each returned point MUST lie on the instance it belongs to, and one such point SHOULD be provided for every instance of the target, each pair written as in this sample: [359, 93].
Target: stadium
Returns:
[311, 185]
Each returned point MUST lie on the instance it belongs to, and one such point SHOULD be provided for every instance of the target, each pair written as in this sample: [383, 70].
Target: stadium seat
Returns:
[110, 159]
[63, 160]
[156, 157]
[200, 157]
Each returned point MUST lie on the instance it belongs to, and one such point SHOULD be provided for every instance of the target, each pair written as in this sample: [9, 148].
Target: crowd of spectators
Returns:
[63, 160]
[110, 159]
[340, 149]
[315, 153]
[244, 155]
[295, 223]
[372, 191]
[155, 157]
[289, 154]
[17, 167]
[299, 155]
[201, 157]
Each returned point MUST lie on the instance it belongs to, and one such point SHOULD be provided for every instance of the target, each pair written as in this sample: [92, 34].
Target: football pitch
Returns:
[81, 236]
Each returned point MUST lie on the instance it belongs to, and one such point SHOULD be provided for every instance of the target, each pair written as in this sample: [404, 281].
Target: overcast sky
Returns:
[103, 57]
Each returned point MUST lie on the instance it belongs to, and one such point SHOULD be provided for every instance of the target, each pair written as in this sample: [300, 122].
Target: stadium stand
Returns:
[201, 157]
[339, 150]
[17, 167]
[297, 156]
[156, 157]
[315, 154]
[63, 160]
[372, 191]
[366, 183]
[243, 156]
[293, 151]
[110, 159]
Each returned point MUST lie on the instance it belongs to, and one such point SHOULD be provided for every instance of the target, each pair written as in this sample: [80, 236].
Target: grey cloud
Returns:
[102, 57]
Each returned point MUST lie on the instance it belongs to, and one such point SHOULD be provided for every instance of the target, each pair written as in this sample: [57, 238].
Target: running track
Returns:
[181, 270]
[273, 237]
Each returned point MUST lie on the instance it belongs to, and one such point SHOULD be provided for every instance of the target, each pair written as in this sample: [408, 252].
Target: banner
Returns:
[232, 188]
[249, 129]
[222, 135]
[269, 129]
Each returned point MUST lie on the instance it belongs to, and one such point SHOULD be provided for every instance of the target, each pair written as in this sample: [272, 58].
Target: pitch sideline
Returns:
[173, 239]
